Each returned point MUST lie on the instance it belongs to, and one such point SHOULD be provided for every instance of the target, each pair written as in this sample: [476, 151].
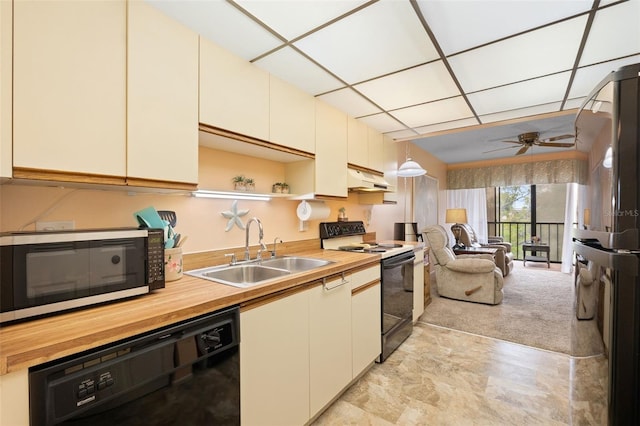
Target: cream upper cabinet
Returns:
[292, 116]
[329, 341]
[390, 149]
[69, 87]
[358, 144]
[234, 94]
[274, 362]
[376, 150]
[162, 97]
[6, 90]
[331, 151]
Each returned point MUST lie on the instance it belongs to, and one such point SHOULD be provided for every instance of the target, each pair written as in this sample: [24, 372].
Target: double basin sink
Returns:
[253, 273]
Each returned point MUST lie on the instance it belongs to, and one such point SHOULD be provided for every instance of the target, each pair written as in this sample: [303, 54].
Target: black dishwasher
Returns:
[187, 374]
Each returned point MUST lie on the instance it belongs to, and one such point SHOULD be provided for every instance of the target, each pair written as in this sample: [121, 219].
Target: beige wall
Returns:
[199, 218]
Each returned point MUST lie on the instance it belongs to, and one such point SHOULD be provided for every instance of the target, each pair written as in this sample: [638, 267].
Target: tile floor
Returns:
[441, 376]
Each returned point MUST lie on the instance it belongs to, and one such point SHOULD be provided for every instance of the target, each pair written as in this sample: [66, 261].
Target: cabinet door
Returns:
[331, 152]
[292, 116]
[366, 314]
[274, 362]
[234, 93]
[69, 104]
[358, 143]
[376, 150]
[6, 92]
[390, 149]
[329, 341]
[418, 285]
[162, 97]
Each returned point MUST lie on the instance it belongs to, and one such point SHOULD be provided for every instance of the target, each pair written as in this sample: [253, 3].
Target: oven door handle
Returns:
[623, 262]
[389, 265]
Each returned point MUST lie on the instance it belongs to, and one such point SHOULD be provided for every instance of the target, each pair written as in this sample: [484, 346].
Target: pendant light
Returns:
[410, 168]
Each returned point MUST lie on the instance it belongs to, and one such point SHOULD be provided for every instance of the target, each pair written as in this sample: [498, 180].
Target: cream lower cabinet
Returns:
[274, 362]
[418, 285]
[329, 341]
[366, 312]
[162, 98]
[69, 86]
[296, 352]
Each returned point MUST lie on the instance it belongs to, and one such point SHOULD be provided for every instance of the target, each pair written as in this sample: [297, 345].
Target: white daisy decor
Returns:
[234, 216]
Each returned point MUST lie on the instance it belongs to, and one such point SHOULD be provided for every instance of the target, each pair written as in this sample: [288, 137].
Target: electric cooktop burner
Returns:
[349, 236]
[369, 247]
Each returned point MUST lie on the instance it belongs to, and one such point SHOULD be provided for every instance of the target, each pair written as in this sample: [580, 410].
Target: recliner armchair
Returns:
[472, 278]
[503, 257]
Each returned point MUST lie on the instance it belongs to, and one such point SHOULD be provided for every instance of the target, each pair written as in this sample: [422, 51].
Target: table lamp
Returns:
[456, 216]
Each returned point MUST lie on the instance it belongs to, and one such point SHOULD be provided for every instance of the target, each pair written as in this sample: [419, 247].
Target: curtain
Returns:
[475, 201]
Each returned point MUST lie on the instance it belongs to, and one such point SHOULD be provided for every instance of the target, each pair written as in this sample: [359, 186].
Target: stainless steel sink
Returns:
[239, 275]
[295, 264]
[250, 274]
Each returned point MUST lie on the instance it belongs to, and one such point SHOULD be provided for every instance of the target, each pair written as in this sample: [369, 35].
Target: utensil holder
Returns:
[173, 264]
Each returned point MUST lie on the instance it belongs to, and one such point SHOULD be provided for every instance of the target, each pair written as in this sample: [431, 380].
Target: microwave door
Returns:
[108, 266]
[56, 274]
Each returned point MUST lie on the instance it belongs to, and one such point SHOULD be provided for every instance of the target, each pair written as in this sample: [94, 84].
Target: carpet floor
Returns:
[537, 311]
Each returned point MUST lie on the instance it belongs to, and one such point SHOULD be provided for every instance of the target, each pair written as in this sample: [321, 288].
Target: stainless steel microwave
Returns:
[52, 271]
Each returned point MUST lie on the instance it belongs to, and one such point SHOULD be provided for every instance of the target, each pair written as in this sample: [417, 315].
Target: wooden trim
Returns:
[362, 268]
[329, 197]
[256, 303]
[364, 287]
[165, 184]
[365, 169]
[254, 141]
[62, 176]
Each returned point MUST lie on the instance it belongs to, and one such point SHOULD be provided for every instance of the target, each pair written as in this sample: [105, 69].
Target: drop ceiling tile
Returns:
[401, 134]
[587, 78]
[434, 112]
[381, 38]
[487, 21]
[382, 122]
[350, 102]
[531, 92]
[221, 23]
[294, 18]
[544, 51]
[449, 125]
[291, 66]
[574, 103]
[521, 112]
[615, 33]
[411, 87]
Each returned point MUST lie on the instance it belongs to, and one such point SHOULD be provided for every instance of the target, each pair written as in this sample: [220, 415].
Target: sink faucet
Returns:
[263, 246]
[275, 241]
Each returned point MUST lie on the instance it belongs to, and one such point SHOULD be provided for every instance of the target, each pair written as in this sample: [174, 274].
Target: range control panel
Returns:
[341, 229]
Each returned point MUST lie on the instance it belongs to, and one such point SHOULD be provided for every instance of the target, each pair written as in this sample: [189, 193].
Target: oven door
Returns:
[397, 301]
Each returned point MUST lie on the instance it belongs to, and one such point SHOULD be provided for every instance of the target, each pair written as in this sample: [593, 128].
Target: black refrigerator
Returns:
[608, 121]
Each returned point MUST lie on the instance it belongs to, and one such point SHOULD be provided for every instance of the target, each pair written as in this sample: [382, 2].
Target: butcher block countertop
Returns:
[34, 342]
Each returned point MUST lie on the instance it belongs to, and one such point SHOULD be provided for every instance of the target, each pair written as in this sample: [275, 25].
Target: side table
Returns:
[535, 248]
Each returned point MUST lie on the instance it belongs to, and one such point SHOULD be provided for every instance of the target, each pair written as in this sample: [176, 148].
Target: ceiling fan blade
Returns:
[499, 149]
[518, 142]
[556, 144]
[522, 150]
[557, 138]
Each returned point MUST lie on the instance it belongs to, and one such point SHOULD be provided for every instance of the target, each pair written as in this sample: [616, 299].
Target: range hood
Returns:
[358, 181]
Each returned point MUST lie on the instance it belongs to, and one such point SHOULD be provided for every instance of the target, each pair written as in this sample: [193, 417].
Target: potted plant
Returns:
[342, 215]
[239, 183]
[250, 184]
[277, 188]
[285, 187]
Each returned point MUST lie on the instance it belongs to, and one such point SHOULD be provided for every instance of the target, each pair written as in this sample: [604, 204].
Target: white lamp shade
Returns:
[456, 216]
[410, 169]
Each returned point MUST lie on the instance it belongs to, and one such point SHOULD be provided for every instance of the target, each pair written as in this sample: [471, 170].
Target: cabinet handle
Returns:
[340, 283]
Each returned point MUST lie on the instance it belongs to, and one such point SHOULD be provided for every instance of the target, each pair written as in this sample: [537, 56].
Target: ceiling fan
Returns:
[527, 140]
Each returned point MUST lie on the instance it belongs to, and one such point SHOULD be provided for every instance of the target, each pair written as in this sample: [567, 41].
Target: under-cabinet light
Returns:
[201, 193]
